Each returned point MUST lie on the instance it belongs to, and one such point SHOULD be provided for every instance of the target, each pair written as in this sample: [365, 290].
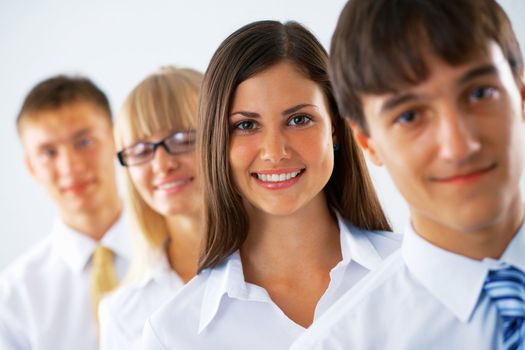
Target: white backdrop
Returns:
[117, 43]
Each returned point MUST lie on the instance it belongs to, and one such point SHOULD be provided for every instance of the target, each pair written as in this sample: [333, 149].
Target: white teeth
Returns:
[277, 177]
[170, 185]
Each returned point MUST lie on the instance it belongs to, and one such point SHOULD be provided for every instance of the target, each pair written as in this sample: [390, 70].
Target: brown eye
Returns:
[245, 125]
[300, 119]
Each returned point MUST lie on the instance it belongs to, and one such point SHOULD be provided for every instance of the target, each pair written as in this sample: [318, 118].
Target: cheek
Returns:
[45, 173]
[241, 154]
[189, 162]
[140, 178]
[317, 148]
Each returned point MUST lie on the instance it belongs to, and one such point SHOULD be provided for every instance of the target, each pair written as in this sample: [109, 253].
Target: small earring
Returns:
[337, 147]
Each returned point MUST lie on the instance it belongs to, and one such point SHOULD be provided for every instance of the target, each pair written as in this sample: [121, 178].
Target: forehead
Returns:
[62, 124]
[281, 84]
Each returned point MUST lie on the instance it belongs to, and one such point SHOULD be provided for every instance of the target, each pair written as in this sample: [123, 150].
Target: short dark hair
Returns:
[59, 91]
[378, 45]
[248, 51]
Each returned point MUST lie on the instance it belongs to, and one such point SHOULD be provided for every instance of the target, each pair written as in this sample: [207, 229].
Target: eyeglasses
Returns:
[177, 143]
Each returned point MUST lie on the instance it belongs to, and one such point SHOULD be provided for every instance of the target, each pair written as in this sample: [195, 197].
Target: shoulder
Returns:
[377, 235]
[187, 301]
[182, 312]
[384, 242]
[29, 267]
[374, 283]
[376, 302]
[127, 308]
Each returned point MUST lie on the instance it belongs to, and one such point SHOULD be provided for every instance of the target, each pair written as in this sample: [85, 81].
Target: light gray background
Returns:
[117, 43]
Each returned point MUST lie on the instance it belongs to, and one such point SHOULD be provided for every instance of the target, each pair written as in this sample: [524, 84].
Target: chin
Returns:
[175, 210]
[278, 209]
[472, 218]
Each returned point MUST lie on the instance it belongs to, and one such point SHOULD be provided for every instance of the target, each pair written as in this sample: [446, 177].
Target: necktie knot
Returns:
[506, 289]
[102, 256]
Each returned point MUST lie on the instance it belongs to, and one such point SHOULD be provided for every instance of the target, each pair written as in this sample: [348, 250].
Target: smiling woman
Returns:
[291, 218]
[155, 132]
[284, 143]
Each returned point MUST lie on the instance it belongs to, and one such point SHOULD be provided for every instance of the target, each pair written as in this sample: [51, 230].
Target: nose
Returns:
[274, 147]
[163, 162]
[70, 162]
[458, 137]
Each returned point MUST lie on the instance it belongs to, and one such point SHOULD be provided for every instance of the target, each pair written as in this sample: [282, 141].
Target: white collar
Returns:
[356, 245]
[455, 280]
[76, 248]
[514, 254]
[228, 277]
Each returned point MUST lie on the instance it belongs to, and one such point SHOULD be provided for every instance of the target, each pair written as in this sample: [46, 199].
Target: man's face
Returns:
[452, 144]
[70, 152]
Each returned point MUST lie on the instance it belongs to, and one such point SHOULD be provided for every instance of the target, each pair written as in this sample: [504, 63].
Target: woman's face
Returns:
[168, 183]
[281, 146]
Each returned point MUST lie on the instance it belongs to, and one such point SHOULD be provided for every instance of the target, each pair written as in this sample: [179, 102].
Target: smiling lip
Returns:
[77, 188]
[173, 184]
[467, 177]
[277, 179]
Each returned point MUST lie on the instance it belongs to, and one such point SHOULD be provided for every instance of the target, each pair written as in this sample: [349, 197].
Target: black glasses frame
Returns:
[154, 145]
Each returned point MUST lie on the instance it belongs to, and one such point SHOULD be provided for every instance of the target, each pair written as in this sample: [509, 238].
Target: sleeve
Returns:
[150, 341]
[111, 335]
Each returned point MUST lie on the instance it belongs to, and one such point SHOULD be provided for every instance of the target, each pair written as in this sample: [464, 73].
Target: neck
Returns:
[291, 256]
[185, 233]
[487, 241]
[94, 223]
[280, 246]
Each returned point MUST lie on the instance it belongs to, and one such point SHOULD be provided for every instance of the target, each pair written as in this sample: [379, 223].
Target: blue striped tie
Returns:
[506, 288]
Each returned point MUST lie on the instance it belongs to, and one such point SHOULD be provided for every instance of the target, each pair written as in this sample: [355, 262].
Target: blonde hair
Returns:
[164, 100]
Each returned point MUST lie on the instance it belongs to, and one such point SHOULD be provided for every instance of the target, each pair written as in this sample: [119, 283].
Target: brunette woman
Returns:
[291, 217]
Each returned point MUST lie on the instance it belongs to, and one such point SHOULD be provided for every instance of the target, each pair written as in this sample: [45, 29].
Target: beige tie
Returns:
[103, 276]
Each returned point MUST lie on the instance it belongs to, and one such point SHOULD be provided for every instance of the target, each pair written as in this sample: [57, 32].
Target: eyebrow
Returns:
[283, 113]
[45, 146]
[470, 75]
[296, 108]
[80, 133]
[76, 135]
[397, 100]
[246, 114]
[477, 72]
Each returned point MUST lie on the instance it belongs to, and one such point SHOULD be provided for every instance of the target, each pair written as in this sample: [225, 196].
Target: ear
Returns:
[366, 143]
[29, 166]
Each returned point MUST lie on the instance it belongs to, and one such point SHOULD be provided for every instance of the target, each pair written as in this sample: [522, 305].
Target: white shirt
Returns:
[44, 295]
[219, 310]
[122, 314]
[423, 297]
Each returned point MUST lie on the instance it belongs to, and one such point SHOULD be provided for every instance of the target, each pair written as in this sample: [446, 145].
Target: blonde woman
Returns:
[155, 133]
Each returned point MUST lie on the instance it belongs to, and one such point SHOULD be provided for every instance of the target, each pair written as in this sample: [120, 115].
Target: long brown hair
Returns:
[248, 51]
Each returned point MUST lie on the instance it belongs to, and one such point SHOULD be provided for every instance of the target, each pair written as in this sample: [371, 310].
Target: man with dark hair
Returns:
[49, 296]
[434, 91]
